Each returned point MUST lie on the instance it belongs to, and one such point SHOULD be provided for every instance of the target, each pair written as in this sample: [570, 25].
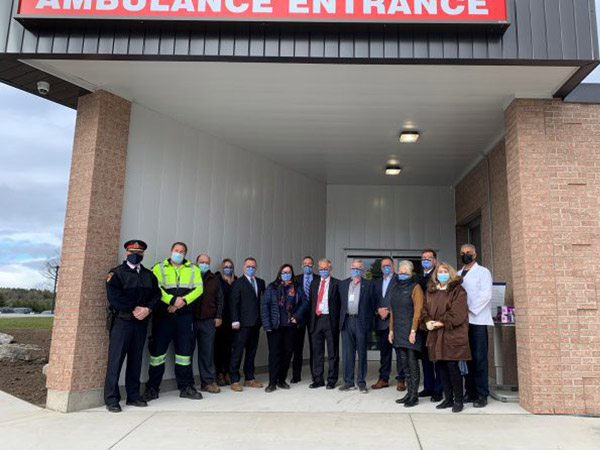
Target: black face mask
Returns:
[135, 258]
[467, 258]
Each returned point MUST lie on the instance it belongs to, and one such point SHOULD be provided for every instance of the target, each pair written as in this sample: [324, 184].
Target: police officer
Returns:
[133, 293]
[181, 284]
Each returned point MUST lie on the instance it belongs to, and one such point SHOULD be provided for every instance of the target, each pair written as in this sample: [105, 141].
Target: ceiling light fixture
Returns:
[409, 137]
[393, 169]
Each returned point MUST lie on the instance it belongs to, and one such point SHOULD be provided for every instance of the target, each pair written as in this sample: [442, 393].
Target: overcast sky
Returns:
[36, 137]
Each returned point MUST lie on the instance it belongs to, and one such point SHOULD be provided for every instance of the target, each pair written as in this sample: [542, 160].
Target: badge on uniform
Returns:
[109, 276]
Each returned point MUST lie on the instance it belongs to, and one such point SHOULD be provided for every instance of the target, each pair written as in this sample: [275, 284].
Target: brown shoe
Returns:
[380, 384]
[221, 380]
[211, 388]
[237, 387]
[400, 386]
[227, 379]
[253, 383]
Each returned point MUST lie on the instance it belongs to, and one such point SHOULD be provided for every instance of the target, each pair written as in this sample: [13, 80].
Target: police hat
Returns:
[135, 244]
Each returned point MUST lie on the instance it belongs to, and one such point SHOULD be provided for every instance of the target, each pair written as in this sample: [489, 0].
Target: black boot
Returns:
[412, 385]
[403, 399]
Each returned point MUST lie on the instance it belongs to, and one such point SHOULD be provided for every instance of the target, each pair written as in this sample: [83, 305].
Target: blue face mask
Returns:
[177, 258]
[250, 271]
[227, 270]
[443, 277]
[426, 264]
[204, 267]
[286, 276]
[356, 272]
[307, 270]
[324, 273]
[386, 270]
[404, 277]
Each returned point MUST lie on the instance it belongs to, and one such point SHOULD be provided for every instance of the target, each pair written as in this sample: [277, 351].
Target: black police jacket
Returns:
[126, 288]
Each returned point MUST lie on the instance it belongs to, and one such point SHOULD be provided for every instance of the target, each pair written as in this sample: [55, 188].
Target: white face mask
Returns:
[177, 258]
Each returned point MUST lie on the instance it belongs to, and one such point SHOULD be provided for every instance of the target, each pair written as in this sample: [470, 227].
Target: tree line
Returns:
[37, 299]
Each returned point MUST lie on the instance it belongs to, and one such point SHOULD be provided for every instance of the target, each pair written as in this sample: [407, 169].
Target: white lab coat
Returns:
[478, 284]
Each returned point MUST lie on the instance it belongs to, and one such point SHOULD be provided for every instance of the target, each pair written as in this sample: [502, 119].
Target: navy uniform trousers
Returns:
[127, 338]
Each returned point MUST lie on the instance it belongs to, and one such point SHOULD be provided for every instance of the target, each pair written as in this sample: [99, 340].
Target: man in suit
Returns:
[324, 326]
[383, 288]
[356, 316]
[245, 322]
[304, 282]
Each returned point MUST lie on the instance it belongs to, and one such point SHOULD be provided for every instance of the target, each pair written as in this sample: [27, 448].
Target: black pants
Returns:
[477, 384]
[176, 327]
[204, 330]
[223, 347]
[452, 380]
[354, 340]
[410, 367]
[298, 352]
[386, 351]
[245, 340]
[281, 346]
[127, 338]
[323, 335]
[432, 378]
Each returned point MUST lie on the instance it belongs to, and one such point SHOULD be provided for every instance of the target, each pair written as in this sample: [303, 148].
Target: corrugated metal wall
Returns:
[540, 30]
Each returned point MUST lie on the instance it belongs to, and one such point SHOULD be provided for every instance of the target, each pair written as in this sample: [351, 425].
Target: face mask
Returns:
[307, 270]
[286, 276]
[250, 271]
[356, 273]
[227, 270]
[324, 273]
[467, 258]
[204, 267]
[177, 258]
[386, 270]
[135, 258]
[426, 264]
[404, 277]
[443, 277]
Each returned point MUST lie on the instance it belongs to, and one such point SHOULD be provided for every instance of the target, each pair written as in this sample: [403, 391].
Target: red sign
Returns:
[388, 11]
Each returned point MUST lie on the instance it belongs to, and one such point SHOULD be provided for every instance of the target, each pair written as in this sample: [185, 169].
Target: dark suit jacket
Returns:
[383, 302]
[245, 304]
[334, 304]
[366, 305]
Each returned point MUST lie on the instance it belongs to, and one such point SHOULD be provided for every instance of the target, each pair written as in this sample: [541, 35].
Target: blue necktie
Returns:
[306, 285]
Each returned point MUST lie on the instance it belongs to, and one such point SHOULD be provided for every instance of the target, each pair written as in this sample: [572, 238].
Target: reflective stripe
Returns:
[183, 360]
[164, 277]
[191, 285]
[158, 360]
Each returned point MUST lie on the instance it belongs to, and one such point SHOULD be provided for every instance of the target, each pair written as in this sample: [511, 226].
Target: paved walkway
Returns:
[287, 420]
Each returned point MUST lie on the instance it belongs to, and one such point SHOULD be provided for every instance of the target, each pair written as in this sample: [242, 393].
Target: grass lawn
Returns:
[26, 323]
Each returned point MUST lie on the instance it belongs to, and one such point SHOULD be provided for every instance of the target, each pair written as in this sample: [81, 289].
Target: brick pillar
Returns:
[553, 162]
[90, 244]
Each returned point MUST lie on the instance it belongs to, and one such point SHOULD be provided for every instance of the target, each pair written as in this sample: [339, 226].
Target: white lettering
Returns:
[398, 6]
[299, 6]
[349, 6]
[41, 4]
[328, 5]
[478, 7]
[155, 5]
[215, 5]
[451, 11]
[262, 6]
[429, 5]
[107, 5]
[78, 4]
[231, 6]
[134, 5]
[183, 4]
[368, 6]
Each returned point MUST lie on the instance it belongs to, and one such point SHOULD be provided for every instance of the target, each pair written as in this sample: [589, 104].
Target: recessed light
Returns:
[392, 169]
[409, 137]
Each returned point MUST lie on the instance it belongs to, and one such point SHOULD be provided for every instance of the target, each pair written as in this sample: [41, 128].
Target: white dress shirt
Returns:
[325, 303]
[478, 284]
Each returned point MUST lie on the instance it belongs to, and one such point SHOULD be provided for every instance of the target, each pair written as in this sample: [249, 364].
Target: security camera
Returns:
[43, 87]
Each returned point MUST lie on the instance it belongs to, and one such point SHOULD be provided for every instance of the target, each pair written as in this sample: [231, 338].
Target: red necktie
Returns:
[320, 298]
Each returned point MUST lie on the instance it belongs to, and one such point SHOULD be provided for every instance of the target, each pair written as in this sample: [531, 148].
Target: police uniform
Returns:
[184, 281]
[127, 286]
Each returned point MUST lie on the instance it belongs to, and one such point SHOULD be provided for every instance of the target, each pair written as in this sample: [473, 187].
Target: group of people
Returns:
[438, 317]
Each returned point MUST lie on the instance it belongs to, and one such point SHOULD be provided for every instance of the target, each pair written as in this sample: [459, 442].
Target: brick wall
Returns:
[487, 181]
[553, 174]
[90, 243]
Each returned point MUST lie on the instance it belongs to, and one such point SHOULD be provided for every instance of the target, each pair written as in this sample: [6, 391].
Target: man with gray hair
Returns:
[324, 320]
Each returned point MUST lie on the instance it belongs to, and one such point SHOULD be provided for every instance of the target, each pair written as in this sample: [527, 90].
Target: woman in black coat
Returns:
[224, 334]
[282, 305]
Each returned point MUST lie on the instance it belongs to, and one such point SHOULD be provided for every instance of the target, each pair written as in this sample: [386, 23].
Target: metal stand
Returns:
[500, 391]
